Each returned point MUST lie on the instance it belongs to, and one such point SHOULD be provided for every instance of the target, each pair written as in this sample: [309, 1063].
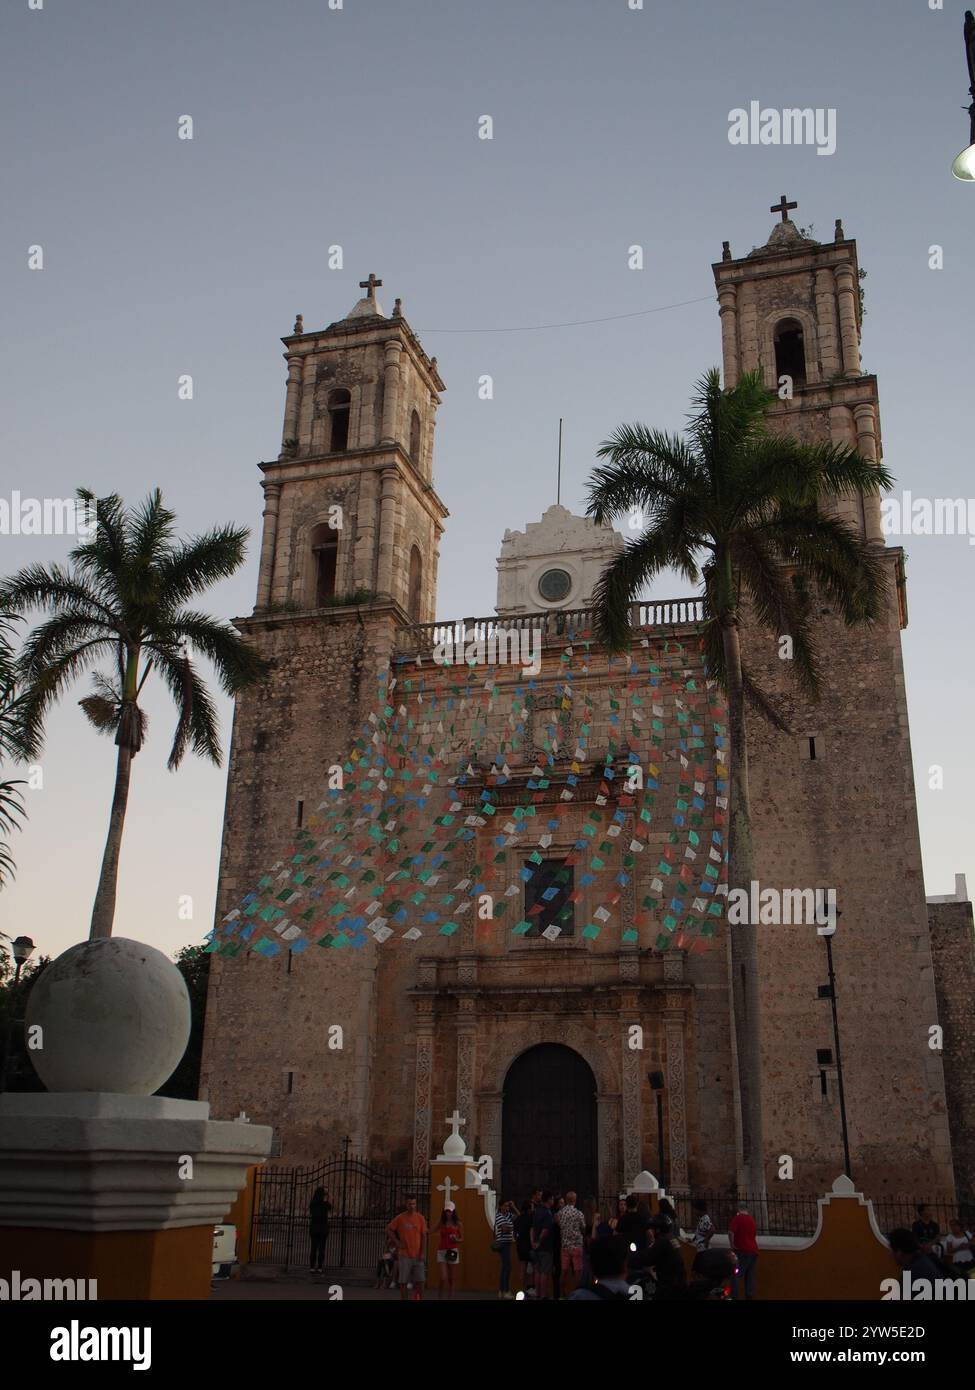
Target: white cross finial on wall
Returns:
[446, 1187]
[455, 1121]
[243, 1118]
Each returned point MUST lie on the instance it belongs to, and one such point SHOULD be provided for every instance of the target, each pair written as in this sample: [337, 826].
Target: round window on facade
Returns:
[554, 585]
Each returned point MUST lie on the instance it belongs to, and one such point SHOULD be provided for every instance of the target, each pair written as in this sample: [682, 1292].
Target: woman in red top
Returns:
[451, 1233]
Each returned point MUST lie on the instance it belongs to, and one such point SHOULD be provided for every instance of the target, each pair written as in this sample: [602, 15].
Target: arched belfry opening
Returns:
[339, 408]
[548, 1124]
[325, 551]
[790, 351]
[415, 439]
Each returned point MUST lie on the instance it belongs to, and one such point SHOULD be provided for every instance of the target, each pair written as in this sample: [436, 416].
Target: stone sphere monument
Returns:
[115, 1016]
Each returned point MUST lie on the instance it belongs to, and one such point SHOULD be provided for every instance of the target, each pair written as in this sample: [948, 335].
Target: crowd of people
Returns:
[584, 1253]
[568, 1252]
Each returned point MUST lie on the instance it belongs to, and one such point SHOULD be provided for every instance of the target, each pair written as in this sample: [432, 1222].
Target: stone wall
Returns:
[847, 820]
[953, 951]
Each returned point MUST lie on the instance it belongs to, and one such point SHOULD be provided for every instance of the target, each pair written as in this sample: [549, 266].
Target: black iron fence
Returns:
[364, 1198]
[796, 1214]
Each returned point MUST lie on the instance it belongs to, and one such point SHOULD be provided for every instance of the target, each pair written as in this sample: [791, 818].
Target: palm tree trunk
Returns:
[103, 913]
[744, 938]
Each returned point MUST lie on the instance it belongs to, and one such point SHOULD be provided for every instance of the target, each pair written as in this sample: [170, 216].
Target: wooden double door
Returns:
[548, 1124]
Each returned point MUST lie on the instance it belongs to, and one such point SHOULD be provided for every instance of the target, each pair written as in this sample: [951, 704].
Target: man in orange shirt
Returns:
[409, 1231]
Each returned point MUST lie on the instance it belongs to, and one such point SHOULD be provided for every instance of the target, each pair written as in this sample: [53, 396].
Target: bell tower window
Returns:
[339, 405]
[790, 351]
[416, 583]
[325, 550]
[415, 438]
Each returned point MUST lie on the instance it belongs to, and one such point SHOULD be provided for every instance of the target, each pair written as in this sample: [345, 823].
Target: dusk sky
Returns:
[357, 127]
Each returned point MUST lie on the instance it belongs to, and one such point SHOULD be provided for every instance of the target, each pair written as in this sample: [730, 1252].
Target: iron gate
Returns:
[364, 1196]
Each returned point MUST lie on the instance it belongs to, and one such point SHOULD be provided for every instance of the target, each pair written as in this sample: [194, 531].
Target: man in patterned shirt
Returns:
[572, 1226]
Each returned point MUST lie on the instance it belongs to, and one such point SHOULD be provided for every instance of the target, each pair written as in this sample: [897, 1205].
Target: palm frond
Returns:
[235, 662]
[627, 573]
[197, 724]
[195, 565]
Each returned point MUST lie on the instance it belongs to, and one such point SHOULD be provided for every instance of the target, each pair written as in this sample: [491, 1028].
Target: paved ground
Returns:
[234, 1290]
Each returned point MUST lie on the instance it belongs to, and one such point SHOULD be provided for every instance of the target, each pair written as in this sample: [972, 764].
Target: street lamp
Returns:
[964, 166]
[22, 948]
[656, 1079]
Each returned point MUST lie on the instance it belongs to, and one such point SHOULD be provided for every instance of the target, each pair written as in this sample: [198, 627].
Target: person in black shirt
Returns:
[634, 1224]
[523, 1246]
[664, 1258]
[925, 1231]
[319, 1211]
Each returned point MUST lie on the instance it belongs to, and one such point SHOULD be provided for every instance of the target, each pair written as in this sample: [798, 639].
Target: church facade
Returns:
[516, 924]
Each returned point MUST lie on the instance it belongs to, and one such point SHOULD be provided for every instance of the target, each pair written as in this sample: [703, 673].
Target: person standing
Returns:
[523, 1247]
[542, 1224]
[451, 1234]
[958, 1247]
[409, 1230]
[926, 1230]
[557, 1204]
[742, 1238]
[319, 1211]
[704, 1230]
[634, 1224]
[572, 1228]
[504, 1240]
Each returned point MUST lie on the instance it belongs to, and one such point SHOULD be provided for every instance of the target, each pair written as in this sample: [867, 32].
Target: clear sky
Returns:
[358, 127]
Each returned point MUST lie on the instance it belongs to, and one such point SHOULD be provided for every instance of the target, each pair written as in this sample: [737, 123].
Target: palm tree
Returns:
[12, 745]
[738, 509]
[123, 599]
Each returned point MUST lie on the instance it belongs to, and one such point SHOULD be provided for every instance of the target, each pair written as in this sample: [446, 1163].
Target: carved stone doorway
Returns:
[548, 1124]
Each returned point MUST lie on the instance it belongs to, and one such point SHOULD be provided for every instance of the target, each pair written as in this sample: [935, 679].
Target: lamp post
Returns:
[22, 948]
[827, 934]
[964, 165]
[656, 1079]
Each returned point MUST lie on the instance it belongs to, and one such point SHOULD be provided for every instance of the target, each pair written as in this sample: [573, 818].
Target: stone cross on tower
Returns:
[372, 284]
[783, 207]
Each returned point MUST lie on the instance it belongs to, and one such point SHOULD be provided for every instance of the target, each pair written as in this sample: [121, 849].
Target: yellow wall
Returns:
[479, 1266]
[241, 1215]
[127, 1264]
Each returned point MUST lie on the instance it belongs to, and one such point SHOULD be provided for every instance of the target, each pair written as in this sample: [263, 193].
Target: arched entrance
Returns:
[548, 1123]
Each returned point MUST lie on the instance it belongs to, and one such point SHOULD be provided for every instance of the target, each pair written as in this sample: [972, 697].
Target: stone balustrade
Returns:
[555, 625]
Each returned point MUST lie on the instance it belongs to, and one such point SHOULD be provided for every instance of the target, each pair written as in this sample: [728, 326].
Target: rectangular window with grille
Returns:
[547, 895]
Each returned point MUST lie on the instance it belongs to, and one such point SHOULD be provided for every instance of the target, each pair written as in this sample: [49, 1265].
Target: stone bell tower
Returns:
[349, 502]
[791, 310]
[833, 796]
[352, 525]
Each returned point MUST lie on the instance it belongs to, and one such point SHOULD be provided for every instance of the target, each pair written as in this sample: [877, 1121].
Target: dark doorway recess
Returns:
[548, 1124]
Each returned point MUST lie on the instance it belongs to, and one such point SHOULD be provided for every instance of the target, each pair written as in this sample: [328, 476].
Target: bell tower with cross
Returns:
[350, 506]
[823, 789]
[791, 309]
[348, 566]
